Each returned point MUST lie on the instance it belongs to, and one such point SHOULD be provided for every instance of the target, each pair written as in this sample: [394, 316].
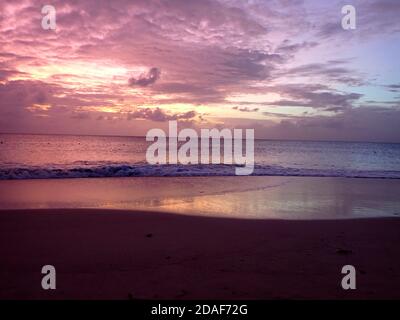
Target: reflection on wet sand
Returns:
[298, 198]
[235, 197]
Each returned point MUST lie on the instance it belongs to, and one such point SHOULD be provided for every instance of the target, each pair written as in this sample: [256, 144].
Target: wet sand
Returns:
[111, 254]
[290, 198]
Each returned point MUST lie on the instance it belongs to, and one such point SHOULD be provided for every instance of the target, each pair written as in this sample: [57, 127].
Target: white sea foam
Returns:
[145, 170]
[48, 157]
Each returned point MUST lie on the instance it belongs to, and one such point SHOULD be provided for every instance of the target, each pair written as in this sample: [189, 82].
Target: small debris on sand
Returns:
[344, 251]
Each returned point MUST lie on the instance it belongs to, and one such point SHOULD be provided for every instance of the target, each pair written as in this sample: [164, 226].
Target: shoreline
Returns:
[115, 254]
[239, 197]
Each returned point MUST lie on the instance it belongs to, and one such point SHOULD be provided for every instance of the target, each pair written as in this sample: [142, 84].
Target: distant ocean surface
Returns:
[64, 156]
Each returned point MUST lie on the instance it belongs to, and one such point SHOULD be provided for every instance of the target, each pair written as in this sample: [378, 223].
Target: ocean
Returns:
[24, 156]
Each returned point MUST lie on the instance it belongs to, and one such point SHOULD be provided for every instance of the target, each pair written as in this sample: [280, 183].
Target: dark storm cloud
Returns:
[351, 124]
[159, 115]
[314, 96]
[16, 96]
[146, 79]
[393, 87]
[334, 70]
[245, 109]
[290, 48]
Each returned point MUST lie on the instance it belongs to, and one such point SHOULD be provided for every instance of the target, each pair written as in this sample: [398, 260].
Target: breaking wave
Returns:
[168, 170]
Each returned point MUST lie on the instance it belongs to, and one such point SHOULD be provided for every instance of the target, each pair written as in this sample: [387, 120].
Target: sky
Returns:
[284, 68]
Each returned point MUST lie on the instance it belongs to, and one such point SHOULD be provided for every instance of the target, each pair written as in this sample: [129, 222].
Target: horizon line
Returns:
[143, 136]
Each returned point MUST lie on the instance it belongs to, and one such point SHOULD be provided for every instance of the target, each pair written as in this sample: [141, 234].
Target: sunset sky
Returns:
[285, 68]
